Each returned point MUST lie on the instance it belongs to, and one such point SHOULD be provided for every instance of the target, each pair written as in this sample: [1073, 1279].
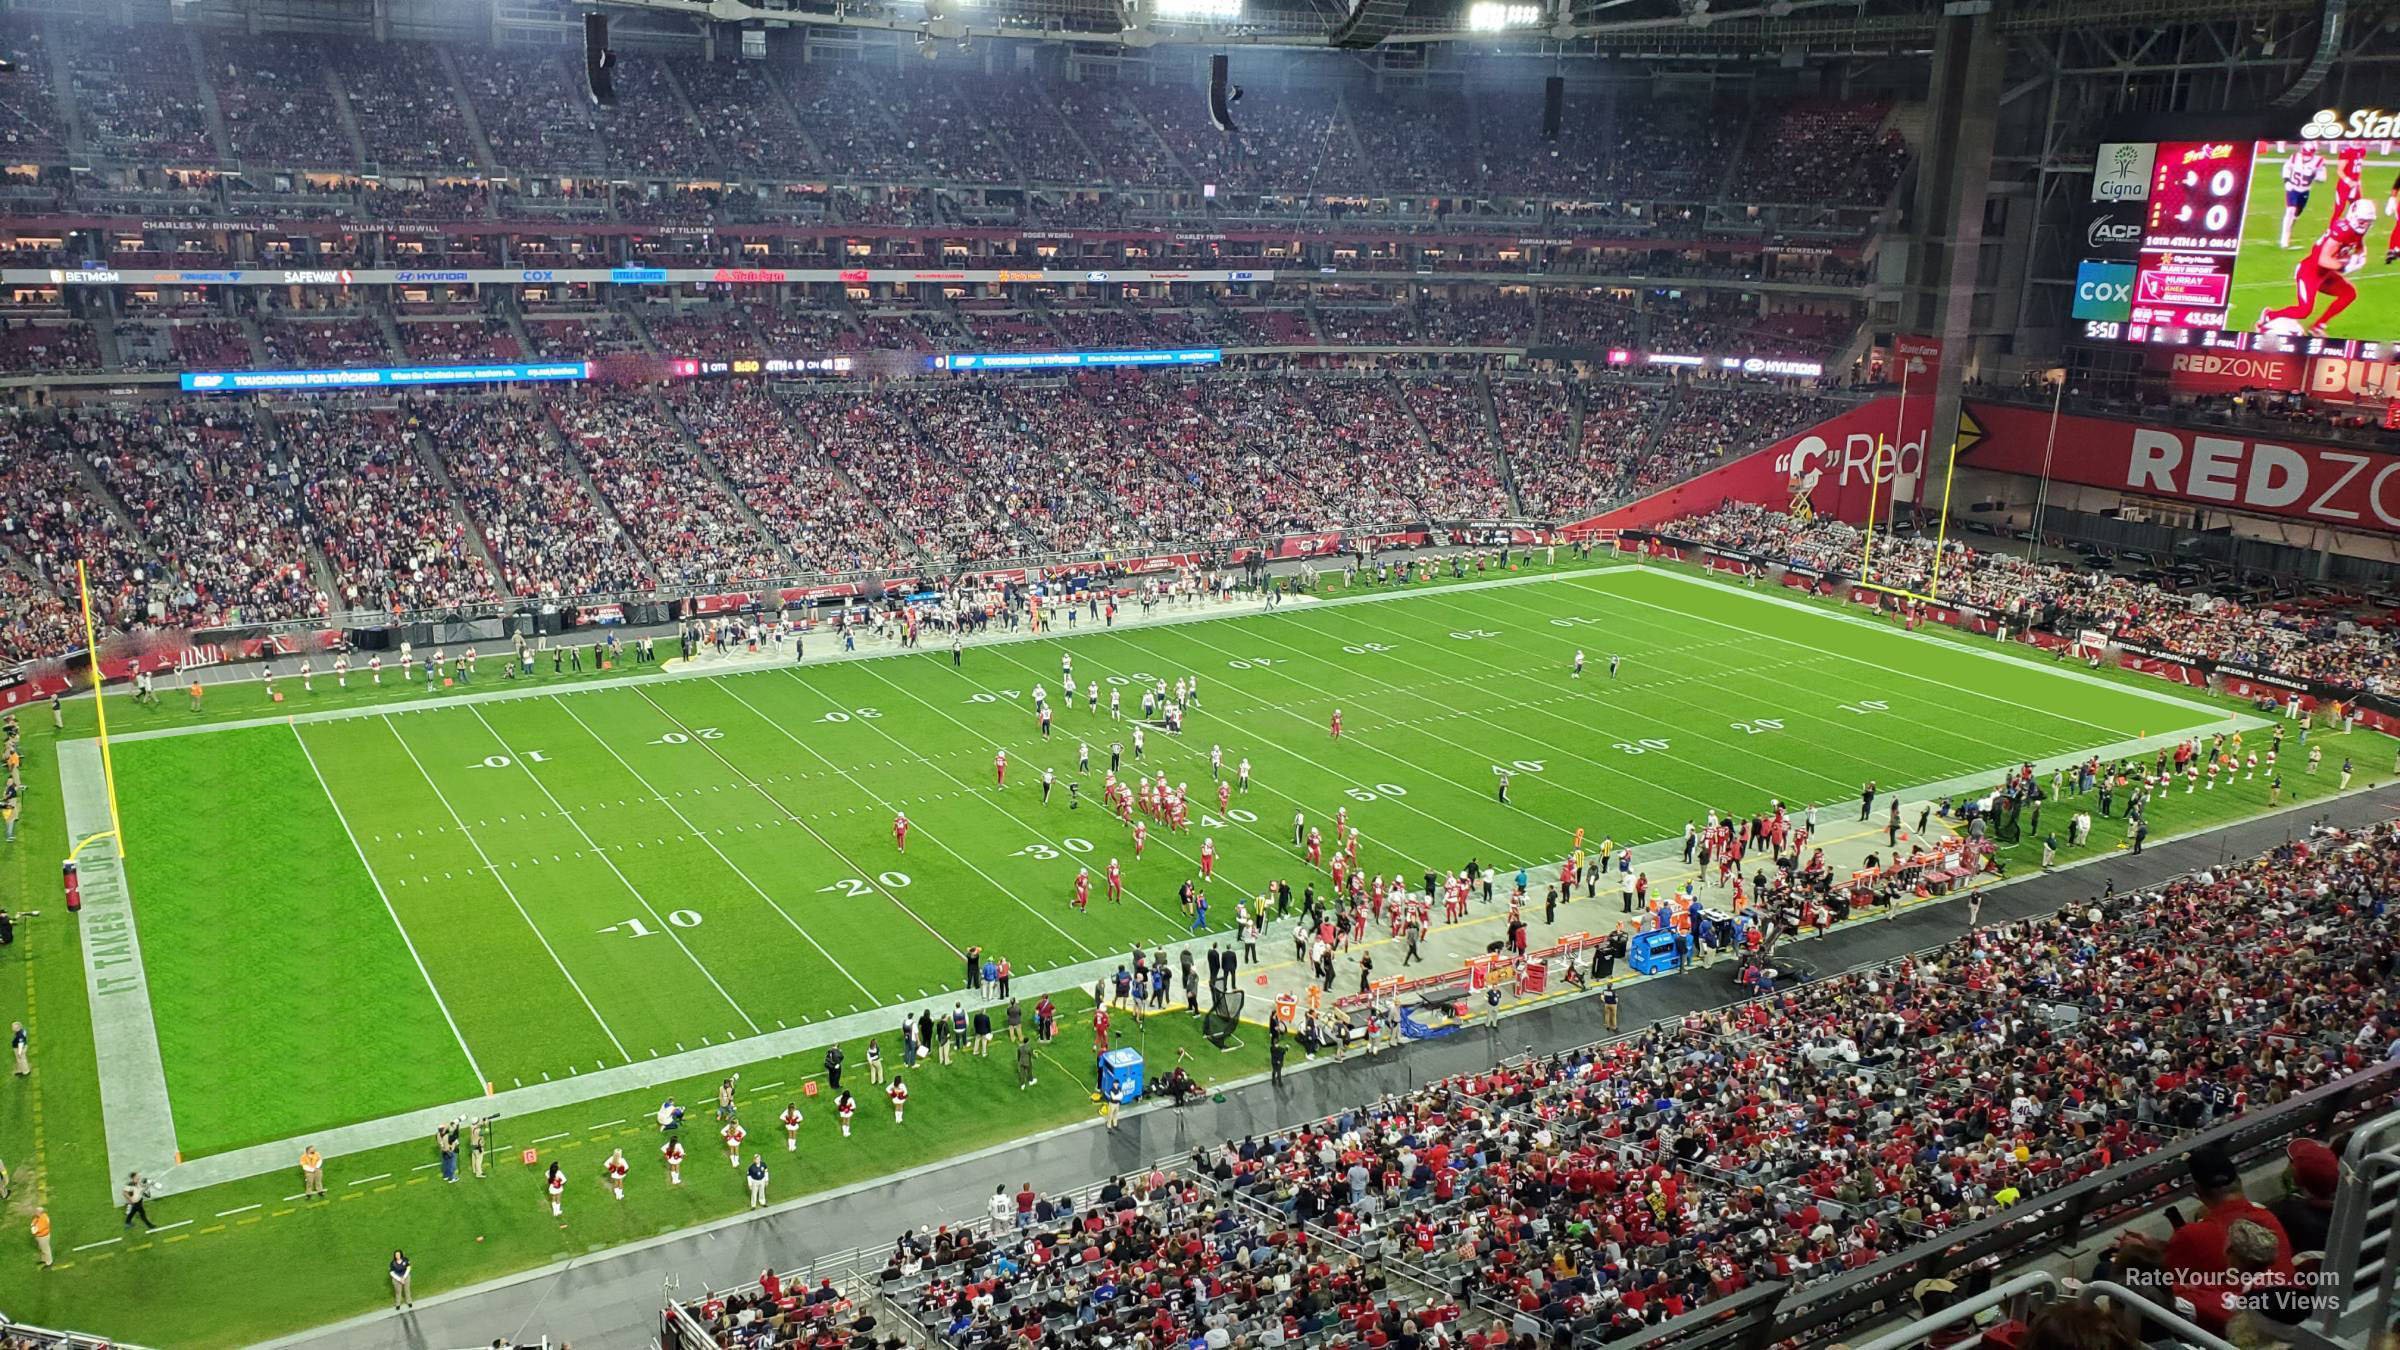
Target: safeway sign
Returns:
[2261, 475]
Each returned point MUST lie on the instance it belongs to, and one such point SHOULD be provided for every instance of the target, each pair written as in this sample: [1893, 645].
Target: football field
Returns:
[352, 915]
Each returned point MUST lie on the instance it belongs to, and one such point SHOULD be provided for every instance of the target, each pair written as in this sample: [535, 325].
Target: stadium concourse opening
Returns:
[1514, 690]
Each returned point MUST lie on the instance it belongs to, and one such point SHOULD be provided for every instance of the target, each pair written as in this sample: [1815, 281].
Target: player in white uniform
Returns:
[2300, 173]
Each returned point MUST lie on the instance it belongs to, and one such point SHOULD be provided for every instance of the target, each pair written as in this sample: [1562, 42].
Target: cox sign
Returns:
[2104, 290]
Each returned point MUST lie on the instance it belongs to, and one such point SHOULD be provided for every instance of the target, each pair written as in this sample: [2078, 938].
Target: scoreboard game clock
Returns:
[2192, 232]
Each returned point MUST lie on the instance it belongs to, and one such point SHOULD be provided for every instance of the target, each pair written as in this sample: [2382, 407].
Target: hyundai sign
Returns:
[1194, 356]
[374, 377]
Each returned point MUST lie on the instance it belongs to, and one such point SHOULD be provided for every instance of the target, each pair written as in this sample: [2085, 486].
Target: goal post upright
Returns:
[108, 768]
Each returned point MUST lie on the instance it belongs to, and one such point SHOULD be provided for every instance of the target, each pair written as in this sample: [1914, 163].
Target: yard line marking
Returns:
[377, 883]
[101, 1243]
[1559, 748]
[989, 879]
[229, 1213]
[421, 1167]
[606, 1123]
[1945, 686]
[1553, 749]
[379, 1176]
[696, 833]
[164, 1227]
[866, 875]
[768, 1087]
[1006, 814]
[627, 882]
[507, 890]
[1765, 670]
[548, 1137]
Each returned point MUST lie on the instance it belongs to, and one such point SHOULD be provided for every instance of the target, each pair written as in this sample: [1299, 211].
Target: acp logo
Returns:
[2104, 290]
[2108, 232]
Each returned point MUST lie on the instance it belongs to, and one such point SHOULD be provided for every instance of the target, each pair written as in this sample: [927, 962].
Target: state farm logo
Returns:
[2107, 231]
[2325, 126]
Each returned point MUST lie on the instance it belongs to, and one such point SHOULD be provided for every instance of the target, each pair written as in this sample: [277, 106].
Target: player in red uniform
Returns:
[2321, 272]
[900, 831]
[1141, 838]
[1316, 848]
[1208, 860]
[1083, 888]
[1224, 796]
[1337, 724]
[1000, 769]
[1116, 883]
[2350, 179]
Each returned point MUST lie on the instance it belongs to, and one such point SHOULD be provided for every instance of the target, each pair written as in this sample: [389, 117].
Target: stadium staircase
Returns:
[345, 114]
[103, 317]
[681, 95]
[513, 314]
[466, 113]
[453, 499]
[1491, 422]
[833, 465]
[320, 568]
[389, 327]
[716, 473]
[1727, 180]
[600, 504]
[206, 90]
[1041, 90]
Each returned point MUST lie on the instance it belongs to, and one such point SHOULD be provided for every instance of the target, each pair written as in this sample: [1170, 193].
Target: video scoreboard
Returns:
[2203, 242]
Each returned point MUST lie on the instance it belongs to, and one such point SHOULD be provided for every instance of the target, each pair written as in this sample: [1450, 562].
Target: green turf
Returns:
[1430, 714]
[696, 860]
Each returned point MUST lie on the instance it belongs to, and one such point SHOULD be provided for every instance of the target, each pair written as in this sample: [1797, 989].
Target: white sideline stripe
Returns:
[548, 1137]
[377, 883]
[610, 863]
[165, 1227]
[424, 1167]
[710, 845]
[104, 1242]
[379, 1176]
[229, 1213]
[505, 889]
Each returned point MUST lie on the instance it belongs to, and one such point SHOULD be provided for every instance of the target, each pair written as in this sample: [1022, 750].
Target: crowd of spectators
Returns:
[137, 95]
[1714, 418]
[278, 109]
[816, 514]
[1585, 1196]
[1820, 150]
[745, 121]
[390, 532]
[351, 341]
[543, 528]
[532, 108]
[401, 98]
[680, 515]
[2288, 640]
[885, 444]
[482, 337]
[51, 519]
[30, 128]
[214, 505]
[48, 345]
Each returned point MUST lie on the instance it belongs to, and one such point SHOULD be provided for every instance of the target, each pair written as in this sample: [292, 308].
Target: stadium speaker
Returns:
[599, 62]
[1554, 105]
[1223, 93]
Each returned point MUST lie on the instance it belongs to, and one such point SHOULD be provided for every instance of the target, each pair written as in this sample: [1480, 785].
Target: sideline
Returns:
[137, 1120]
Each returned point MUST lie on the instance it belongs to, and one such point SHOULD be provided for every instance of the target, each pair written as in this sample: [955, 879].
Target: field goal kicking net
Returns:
[1224, 1017]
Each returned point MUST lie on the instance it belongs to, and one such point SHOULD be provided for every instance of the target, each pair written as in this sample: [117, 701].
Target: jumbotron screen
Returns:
[2280, 245]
